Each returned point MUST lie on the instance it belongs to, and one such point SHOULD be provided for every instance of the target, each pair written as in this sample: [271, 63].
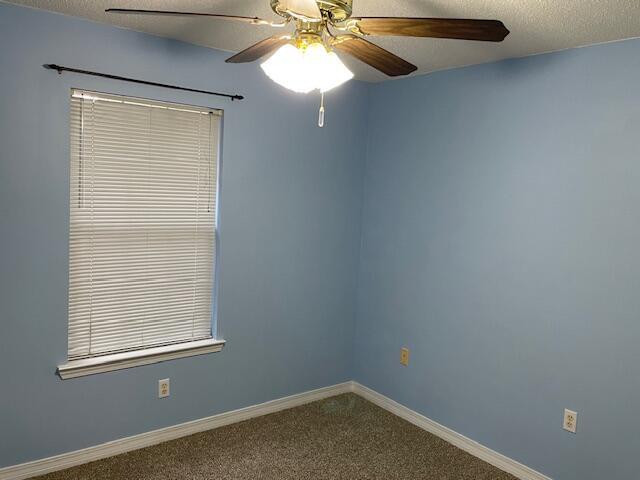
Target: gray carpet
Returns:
[343, 437]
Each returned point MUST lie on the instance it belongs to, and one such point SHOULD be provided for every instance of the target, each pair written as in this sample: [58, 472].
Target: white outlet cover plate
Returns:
[570, 420]
[164, 389]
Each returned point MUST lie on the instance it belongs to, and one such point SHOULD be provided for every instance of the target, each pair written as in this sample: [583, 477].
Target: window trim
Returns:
[134, 358]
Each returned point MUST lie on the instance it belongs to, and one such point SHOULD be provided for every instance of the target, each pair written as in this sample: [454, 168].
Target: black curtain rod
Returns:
[60, 69]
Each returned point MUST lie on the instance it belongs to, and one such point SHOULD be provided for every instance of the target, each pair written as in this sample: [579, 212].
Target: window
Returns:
[142, 237]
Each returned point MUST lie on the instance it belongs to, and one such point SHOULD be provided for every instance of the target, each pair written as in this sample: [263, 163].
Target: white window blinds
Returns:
[142, 224]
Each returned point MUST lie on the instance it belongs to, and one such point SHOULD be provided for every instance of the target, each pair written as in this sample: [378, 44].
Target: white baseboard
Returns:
[492, 457]
[116, 447]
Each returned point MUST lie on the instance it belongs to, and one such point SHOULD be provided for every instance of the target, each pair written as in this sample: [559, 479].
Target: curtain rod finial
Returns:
[53, 66]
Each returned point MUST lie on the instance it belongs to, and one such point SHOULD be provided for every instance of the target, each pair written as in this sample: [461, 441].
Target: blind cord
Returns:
[93, 169]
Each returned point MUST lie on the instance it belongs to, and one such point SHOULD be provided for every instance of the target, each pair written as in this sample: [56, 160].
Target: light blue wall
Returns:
[501, 243]
[290, 236]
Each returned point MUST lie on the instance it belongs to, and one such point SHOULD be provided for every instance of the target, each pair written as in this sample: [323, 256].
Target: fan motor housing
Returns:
[338, 10]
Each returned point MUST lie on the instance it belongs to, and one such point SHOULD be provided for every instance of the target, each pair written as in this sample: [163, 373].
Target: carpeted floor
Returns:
[343, 437]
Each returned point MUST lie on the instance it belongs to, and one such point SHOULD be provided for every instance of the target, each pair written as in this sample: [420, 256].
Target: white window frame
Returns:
[78, 367]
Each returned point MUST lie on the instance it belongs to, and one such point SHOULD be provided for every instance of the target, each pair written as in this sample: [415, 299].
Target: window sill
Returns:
[118, 361]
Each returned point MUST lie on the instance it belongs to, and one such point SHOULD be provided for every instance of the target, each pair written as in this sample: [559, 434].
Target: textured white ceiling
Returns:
[536, 25]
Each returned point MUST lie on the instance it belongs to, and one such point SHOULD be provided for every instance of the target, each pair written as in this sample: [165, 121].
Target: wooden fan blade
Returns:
[250, 20]
[260, 49]
[373, 55]
[457, 28]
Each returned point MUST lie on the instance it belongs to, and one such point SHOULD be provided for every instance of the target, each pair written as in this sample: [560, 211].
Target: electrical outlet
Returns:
[570, 421]
[164, 388]
[404, 356]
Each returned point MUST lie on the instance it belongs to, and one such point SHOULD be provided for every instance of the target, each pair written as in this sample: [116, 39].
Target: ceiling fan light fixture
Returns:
[306, 68]
[285, 68]
[334, 73]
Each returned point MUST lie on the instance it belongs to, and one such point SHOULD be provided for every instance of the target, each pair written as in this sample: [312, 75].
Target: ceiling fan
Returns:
[305, 60]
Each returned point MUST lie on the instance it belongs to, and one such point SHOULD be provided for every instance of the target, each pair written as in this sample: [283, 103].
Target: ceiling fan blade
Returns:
[306, 8]
[373, 55]
[457, 28]
[260, 49]
[250, 20]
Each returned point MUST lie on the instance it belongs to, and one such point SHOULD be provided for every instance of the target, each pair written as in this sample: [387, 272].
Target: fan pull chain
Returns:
[321, 112]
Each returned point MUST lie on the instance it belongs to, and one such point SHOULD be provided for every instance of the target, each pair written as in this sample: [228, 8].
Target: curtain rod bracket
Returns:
[60, 69]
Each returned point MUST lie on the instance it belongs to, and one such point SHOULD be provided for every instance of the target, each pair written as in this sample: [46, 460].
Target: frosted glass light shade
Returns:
[304, 70]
